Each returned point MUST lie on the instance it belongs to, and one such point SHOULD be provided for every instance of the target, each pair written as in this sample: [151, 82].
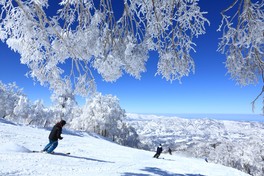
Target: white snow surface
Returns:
[90, 155]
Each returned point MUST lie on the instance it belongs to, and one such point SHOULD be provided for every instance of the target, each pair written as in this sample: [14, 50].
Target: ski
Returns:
[60, 153]
[53, 153]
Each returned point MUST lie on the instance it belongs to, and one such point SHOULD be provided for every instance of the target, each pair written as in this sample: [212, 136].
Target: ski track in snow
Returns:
[90, 155]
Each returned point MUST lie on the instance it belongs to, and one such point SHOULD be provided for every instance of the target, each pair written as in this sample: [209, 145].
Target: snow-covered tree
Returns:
[21, 110]
[10, 95]
[128, 136]
[26, 112]
[89, 34]
[40, 115]
[16, 107]
[243, 41]
[102, 114]
[62, 47]
[64, 105]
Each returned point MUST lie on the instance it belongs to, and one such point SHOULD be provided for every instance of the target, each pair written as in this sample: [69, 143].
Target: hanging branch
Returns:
[242, 42]
[89, 37]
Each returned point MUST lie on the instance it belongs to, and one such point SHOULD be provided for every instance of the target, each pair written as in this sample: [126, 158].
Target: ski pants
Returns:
[51, 146]
[156, 155]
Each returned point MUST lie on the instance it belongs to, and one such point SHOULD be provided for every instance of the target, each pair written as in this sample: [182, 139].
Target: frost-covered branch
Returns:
[254, 101]
[243, 41]
[62, 49]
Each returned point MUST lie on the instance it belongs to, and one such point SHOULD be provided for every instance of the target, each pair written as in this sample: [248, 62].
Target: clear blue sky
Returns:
[209, 90]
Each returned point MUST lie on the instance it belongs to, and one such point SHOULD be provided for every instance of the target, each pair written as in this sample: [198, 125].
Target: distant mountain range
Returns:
[216, 116]
[239, 144]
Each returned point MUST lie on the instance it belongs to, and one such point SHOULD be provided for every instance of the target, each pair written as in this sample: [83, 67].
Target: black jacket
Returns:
[55, 133]
[159, 150]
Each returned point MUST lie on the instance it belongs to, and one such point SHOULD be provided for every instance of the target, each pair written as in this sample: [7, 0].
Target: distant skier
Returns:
[170, 151]
[55, 134]
[158, 152]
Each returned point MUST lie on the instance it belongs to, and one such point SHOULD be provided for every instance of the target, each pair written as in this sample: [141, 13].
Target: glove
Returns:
[60, 138]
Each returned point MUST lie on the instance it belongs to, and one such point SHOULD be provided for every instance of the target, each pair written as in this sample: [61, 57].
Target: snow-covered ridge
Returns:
[90, 155]
[232, 143]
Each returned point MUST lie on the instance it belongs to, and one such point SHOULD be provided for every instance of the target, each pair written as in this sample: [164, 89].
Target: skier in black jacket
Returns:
[54, 136]
[159, 150]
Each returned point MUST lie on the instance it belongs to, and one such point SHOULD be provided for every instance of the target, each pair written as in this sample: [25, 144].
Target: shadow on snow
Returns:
[157, 171]
[84, 158]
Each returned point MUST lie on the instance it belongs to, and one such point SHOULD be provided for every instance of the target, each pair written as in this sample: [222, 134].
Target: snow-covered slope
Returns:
[231, 143]
[90, 155]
